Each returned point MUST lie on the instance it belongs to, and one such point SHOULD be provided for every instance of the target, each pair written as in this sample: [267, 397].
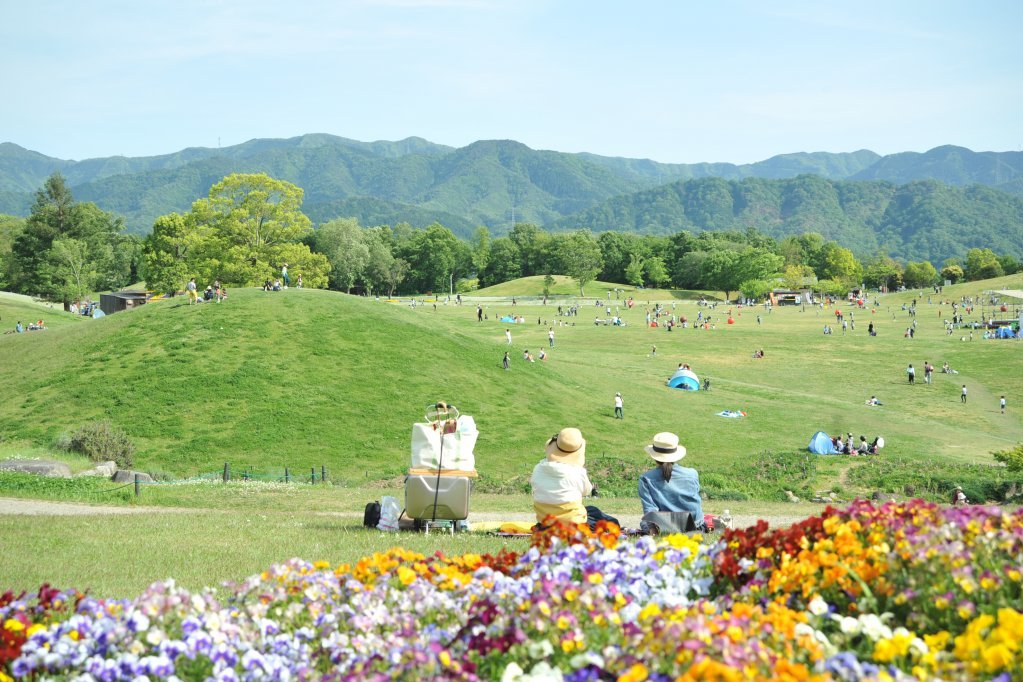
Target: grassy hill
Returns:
[304, 378]
[567, 287]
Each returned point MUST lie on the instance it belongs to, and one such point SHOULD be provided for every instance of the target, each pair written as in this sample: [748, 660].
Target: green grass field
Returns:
[304, 379]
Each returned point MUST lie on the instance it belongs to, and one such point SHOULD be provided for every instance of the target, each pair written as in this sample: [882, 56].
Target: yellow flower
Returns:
[406, 575]
[445, 659]
[636, 673]
[12, 625]
[571, 594]
[997, 657]
[595, 578]
[563, 623]
[651, 610]
[320, 565]
[5, 678]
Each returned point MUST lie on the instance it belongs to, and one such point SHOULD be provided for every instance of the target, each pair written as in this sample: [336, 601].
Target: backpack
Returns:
[371, 517]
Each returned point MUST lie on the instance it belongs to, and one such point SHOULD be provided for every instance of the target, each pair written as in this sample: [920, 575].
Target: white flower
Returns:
[848, 625]
[817, 606]
[512, 673]
[155, 636]
[541, 649]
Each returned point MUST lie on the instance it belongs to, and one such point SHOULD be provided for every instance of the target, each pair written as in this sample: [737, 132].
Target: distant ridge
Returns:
[499, 182]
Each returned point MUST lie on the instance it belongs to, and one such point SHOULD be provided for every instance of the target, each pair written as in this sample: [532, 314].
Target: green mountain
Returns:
[949, 164]
[920, 220]
[500, 182]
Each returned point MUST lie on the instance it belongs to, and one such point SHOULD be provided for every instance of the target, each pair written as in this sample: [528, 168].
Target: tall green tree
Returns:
[505, 262]
[581, 258]
[480, 246]
[982, 264]
[10, 228]
[634, 271]
[74, 273]
[921, 274]
[55, 215]
[345, 245]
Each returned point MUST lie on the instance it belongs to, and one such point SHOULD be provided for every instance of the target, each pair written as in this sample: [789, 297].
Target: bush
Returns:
[1012, 459]
[101, 441]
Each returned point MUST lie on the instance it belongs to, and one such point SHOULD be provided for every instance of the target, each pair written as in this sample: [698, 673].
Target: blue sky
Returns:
[682, 81]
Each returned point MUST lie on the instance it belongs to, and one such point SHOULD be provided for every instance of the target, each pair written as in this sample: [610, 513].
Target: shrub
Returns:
[1012, 459]
[101, 441]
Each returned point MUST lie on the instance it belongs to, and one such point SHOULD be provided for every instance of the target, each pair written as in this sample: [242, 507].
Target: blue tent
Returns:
[1005, 333]
[821, 444]
[508, 318]
[684, 379]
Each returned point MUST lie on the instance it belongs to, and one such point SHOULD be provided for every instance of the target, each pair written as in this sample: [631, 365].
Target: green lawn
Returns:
[303, 379]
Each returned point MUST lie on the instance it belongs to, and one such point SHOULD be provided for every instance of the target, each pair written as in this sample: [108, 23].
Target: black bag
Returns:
[658, 522]
[371, 517]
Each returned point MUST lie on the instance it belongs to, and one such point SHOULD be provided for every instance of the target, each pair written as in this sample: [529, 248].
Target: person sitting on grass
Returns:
[872, 400]
[864, 447]
[559, 482]
[670, 487]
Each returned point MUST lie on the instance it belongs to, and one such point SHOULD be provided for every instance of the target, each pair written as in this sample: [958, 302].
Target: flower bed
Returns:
[898, 591]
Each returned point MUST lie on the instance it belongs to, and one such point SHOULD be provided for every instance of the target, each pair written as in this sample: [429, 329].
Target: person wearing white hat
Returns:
[670, 487]
[618, 406]
[560, 481]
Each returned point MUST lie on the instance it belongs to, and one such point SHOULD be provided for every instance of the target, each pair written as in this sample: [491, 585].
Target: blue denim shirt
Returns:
[681, 493]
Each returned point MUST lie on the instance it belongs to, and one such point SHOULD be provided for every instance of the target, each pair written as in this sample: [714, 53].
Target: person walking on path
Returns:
[962, 395]
[911, 374]
[1001, 404]
[507, 335]
[479, 313]
[284, 275]
[193, 295]
[507, 361]
[618, 406]
[550, 336]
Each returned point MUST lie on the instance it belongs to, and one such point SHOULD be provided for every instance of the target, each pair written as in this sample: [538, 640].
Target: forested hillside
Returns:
[500, 183]
[926, 220]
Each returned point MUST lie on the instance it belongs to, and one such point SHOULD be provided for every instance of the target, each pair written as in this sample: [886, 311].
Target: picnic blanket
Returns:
[733, 414]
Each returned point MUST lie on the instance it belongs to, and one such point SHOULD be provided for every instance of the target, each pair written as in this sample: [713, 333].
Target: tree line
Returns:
[250, 225]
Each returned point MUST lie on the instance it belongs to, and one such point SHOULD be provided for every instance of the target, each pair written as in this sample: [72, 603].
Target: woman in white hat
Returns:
[670, 487]
[560, 481]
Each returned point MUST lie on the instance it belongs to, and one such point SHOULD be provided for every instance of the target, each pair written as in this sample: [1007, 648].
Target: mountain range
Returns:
[861, 199]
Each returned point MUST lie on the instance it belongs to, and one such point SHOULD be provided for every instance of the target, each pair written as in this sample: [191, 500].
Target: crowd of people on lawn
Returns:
[845, 445]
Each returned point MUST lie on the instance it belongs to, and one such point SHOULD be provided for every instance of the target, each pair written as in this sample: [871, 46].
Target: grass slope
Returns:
[305, 378]
[566, 286]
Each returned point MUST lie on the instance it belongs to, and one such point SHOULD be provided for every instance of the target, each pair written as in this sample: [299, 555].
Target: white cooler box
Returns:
[452, 495]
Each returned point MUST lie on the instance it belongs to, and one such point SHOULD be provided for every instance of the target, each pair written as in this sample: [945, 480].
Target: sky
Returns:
[676, 81]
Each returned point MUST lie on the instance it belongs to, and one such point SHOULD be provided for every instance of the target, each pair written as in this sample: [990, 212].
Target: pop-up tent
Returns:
[1005, 333]
[821, 444]
[684, 379]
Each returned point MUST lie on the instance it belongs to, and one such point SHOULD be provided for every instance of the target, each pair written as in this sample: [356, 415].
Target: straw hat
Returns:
[567, 446]
[665, 448]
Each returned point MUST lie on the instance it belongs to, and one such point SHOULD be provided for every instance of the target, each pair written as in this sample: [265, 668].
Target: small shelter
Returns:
[684, 379]
[116, 301]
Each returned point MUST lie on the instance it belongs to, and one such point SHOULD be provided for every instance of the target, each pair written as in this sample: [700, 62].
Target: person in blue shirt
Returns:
[670, 487]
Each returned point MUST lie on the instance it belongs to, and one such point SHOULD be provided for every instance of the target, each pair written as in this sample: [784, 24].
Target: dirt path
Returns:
[19, 507]
[13, 506]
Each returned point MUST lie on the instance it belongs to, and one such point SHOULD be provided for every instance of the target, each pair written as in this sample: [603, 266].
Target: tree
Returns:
[255, 211]
[720, 271]
[10, 228]
[434, 256]
[54, 216]
[505, 263]
[581, 258]
[531, 242]
[634, 271]
[74, 273]
[982, 264]
[839, 263]
[952, 272]
[343, 243]
[795, 276]
[480, 246]
[1010, 266]
[920, 274]
[883, 271]
[548, 282]
[170, 252]
[656, 272]
[755, 288]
